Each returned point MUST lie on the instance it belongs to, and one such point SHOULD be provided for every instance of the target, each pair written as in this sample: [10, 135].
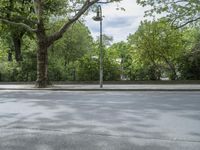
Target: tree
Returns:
[64, 53]
[14, 34]
[189, 62]
[40, 11]
[88, 68]
[159, 46]
[74, 44]
[121, 52]
[179, 12]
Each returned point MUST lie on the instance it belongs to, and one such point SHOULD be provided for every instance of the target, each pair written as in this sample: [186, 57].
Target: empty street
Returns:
[99, 120]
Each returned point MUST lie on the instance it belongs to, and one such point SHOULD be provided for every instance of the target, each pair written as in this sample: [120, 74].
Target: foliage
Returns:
[74, 44]
[64, 53]
[190, 66]
[180, 12]
[122, 53]
[88, 69]
[158, 47]
[19, 71]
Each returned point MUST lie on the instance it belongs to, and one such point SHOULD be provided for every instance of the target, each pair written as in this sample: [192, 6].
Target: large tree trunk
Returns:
[42, 57]
[42, 66]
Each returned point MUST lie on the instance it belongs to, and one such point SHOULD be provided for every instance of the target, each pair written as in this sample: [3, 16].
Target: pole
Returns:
[101, 52]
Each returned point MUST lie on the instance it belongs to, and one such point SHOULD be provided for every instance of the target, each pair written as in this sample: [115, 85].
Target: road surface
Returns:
[89, 120]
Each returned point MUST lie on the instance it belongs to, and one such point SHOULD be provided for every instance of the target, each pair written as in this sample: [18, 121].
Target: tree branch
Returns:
[186, 23]
[104, 2]
[25, 26]
[84, 8]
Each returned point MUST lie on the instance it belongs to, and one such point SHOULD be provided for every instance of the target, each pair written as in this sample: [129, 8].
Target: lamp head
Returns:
[98, 17]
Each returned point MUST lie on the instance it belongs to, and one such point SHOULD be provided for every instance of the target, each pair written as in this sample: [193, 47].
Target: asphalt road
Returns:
[53, 120]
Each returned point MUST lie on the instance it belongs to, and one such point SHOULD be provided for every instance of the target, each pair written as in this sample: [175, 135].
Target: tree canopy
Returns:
[179, 12]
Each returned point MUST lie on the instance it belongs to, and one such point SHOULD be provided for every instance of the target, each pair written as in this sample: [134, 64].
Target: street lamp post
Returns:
[99, 17]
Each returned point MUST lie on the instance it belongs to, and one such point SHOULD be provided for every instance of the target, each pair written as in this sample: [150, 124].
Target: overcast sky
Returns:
[117, 23]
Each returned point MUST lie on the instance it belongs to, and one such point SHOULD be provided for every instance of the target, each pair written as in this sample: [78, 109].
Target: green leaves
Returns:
[158, 45]
[179, 12]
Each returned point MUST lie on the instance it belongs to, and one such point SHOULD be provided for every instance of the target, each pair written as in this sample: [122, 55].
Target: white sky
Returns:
[116, 23]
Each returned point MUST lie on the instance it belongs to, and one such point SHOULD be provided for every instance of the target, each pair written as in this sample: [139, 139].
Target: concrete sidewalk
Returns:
[106, 87]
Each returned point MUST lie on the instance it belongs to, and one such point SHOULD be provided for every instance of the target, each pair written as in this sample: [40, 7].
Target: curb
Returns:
[56, 89]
